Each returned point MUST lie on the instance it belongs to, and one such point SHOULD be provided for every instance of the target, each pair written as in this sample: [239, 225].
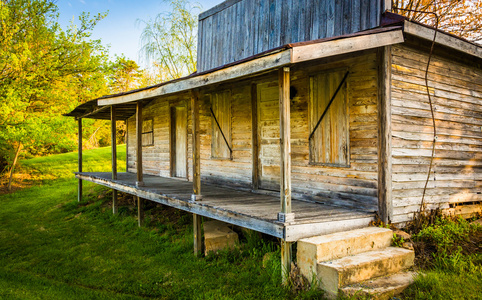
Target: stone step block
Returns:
[348, 270]
[316, 249]
[217, 236]
[382, 288]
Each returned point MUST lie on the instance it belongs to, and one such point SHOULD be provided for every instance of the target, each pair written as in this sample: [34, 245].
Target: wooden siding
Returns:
[248, 27]
[456, 91]
[354, 185]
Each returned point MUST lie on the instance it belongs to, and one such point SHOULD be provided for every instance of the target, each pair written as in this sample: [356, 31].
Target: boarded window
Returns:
[147, 132]
[221, 106]
[329, 144]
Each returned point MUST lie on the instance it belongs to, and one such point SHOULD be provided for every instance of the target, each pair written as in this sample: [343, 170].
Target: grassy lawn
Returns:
[52, 247]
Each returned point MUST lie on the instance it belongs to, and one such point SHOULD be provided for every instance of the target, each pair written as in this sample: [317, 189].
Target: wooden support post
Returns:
[79, 189]
[384, 135]
[127, 145]
[285, 260]
[140, 211]
[255, 138]
[114, 156]
[197, 229]
[196, 171]
[196, 147]
[140, 179]
[286, 215]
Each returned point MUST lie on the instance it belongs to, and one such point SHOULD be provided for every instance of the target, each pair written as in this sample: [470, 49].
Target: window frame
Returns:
[214, 126]
[315, 161]
[149, 132]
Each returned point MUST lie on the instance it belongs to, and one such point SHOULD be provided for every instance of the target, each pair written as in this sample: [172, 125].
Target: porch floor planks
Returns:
[232, 201]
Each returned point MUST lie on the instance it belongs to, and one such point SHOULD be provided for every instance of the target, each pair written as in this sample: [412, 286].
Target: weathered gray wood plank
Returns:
[273, 23]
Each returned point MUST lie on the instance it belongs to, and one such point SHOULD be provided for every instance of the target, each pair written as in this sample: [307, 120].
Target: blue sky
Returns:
[119, 28]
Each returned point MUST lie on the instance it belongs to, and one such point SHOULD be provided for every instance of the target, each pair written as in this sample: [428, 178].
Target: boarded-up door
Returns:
[268, 136]
[179, 141]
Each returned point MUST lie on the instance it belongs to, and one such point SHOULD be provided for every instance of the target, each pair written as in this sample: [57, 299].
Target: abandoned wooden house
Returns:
[305, 118]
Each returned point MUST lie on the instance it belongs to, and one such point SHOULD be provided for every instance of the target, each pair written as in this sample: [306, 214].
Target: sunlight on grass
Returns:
[52, 247]
[64, 165]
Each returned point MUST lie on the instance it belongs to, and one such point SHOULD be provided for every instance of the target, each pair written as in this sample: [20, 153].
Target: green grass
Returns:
[52, 247]
[453, 269]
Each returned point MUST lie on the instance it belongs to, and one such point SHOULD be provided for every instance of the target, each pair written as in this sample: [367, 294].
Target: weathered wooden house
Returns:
[306, 118]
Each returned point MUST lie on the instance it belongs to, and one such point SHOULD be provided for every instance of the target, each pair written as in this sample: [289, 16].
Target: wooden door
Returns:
[268, 136]
[179, 141]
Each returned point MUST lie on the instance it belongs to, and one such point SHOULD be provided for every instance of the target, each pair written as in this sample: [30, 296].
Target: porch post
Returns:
[384, 135]
[114, 156]
[140, 179]
[127, 144]
[79, 189]
[285, 215]
[196, 147]
[196, 170]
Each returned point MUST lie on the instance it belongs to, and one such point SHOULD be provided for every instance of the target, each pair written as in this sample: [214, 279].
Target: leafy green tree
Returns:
[44, 72]
[169, 41]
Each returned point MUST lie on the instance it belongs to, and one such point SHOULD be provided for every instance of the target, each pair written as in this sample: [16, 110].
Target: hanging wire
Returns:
[422, 203]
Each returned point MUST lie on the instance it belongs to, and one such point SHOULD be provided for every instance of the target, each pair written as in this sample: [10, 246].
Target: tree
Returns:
[41, 68]
[169, 41]
[459, 17]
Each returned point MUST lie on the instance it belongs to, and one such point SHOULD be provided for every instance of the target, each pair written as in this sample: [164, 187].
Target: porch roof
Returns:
[243, 208]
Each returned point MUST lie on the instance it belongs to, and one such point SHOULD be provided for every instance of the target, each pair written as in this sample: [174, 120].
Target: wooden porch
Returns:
[251, 210]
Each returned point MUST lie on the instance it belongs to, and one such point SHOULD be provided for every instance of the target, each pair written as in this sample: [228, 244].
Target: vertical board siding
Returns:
[249, 27]
[457, 97]
[354, 185]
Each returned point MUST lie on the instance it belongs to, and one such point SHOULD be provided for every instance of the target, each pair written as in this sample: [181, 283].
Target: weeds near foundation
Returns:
[449, 251]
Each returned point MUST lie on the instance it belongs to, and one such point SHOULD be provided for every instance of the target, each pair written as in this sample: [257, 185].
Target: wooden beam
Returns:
[98, 110]
[285, 140]
[295, 232]
[79, 189]
[140, 180]
[442, 39]
[254, 138]
[384, 134]
[346, 45]
[197, 229]
[286, 257]
[248, 68]
[196, 147]
[114, 155]
[140, 211]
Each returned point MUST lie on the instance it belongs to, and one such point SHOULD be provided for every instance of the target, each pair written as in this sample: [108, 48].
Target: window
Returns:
[147, 132]
[221, 124]
[329, 143]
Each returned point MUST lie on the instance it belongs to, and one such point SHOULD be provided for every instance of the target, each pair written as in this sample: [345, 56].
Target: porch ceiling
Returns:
[246, 209]
[93, 111]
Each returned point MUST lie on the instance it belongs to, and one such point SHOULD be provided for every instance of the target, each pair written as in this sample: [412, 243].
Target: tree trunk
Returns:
[9, 187]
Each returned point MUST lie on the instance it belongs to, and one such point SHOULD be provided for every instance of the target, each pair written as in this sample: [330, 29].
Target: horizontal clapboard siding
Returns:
[239, 29]
[456, 91]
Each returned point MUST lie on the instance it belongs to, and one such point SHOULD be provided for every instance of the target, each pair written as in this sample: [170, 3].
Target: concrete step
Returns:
[217, 236]
[382, 288]
[316, 249]
[363, 266]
